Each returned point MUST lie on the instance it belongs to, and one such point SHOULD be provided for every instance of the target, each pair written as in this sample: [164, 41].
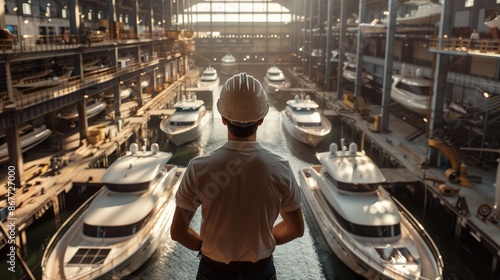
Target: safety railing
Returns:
[466, 45]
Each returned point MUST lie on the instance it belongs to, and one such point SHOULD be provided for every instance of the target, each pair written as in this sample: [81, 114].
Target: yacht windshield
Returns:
[115, 231]
[417, 90]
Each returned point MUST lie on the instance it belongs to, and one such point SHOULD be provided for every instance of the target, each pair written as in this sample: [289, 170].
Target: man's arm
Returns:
[291, 227]
[181, 232]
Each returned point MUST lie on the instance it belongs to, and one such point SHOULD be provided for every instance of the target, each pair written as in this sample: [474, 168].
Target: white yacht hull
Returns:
[183, 135]
[367, 28]
[356, 254]
[124, 94]
[43, 82]
[147, 248]
[127, 253]
[92, 111]
[228, 68]
[334, 235]
[308, 135]
[209, 85]
[272, 86]
[494, 23]
[413, 102]
[419, 20]
[27, 142]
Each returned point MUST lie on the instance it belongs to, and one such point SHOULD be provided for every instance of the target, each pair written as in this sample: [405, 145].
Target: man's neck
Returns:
[231, 137]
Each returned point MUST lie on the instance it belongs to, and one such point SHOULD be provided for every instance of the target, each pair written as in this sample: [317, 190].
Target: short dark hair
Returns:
[242, 132]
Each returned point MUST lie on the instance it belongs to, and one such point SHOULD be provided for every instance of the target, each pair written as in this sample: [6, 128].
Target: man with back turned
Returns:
[242, 188]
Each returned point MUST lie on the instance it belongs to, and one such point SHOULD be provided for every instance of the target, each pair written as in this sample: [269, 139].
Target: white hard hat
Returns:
[242, 100]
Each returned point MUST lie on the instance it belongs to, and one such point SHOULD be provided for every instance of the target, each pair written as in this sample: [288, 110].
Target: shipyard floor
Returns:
[304, 258]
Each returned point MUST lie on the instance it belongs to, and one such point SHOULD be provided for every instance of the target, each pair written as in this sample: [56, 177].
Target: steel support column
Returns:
[388, 61]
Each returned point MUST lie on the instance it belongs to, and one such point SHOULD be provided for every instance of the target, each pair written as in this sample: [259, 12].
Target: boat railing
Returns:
[66, 41]
[423, 233]
[32, 96]
[465, 45]
[137, 240]
[62, 229]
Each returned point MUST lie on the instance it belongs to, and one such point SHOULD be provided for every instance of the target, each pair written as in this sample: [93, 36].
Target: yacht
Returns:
[366, 228]
[493, 21]
[375, 27]
[209, 79]
[349, 73]
[275, 80]
[93, 65]
[125, 93]
[144, 82]
[94, 107]
[29, 139]
[302, 119]
[42, 79]
[119, 229]
[335, 56]
[412, 92]
[188, 122]
[228, 65]
[420, 12]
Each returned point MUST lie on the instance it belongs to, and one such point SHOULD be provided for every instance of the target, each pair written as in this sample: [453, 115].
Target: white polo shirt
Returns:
[241, 188]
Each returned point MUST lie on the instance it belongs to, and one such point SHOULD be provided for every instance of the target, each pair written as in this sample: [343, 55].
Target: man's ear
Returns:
[224, 121]
[259, 122]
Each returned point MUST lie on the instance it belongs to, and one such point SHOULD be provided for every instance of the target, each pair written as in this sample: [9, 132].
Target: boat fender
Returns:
[483, 211]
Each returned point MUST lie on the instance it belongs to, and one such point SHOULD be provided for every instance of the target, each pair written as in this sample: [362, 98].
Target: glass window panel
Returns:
[26, 9]
[232, 7]
[64, 13]
[274, 7]
[259, 17]
[246, 7]
[203, 17]
[203, 7]
[259, 7]
[274, 17]
[217, 7]
[286, 18]
[246, 17]
[218, 18]
[231, 17]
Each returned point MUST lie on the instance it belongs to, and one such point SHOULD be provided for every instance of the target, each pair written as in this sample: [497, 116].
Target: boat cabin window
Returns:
[181, 123]
[351, 187]
[187, 109]
[309, 123]
[128, 187]
[302, 109]
[350, 68]
[115, 231]
[275, 76]
[207, 78]
[417, 90]
[396, 255]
